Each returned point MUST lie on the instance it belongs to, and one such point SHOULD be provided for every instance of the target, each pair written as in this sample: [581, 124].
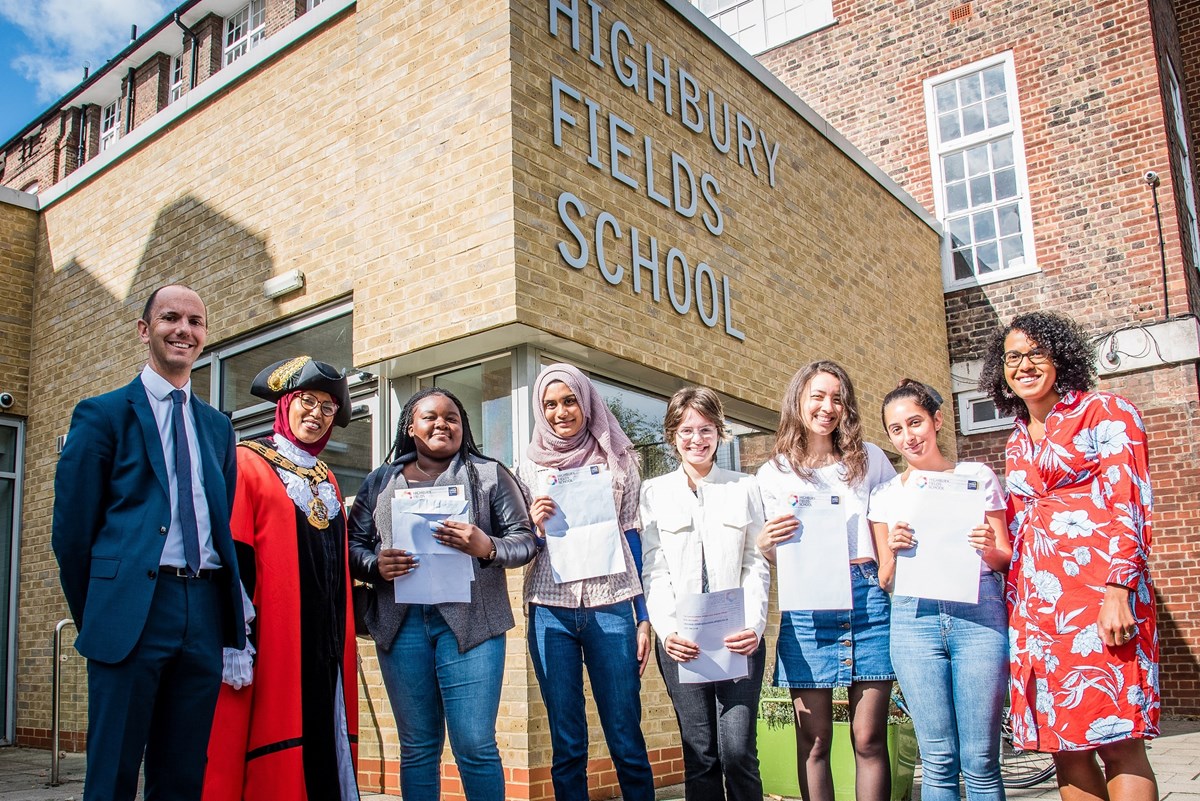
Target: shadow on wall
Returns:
[190, 243]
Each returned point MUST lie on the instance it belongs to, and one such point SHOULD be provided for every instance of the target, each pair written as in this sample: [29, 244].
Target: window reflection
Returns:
[485, 390]
[327, 342]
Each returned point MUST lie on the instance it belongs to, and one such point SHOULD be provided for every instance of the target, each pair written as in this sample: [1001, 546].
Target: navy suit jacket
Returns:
[112, 512]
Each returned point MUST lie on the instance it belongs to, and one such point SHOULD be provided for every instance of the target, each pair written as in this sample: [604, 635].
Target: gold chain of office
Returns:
[318, 512]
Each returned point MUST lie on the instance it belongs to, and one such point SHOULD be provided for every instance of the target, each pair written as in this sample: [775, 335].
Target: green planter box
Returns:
[777, 760]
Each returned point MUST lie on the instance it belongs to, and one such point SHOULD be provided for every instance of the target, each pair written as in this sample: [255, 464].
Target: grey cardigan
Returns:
[505, 520]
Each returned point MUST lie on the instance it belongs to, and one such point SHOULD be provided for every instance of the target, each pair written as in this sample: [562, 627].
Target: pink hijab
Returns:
[284, 428]
[599, 441]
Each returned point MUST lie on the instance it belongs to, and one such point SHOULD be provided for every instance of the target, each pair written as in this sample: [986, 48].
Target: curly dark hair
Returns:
[1070, 350]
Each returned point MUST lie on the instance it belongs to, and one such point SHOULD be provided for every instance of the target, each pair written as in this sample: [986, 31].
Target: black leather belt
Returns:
[205, 574]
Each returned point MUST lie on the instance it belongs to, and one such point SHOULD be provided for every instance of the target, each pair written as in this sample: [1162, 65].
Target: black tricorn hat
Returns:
[304, 372]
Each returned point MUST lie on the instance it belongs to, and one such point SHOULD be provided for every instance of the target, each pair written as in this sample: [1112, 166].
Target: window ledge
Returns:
[990, 278]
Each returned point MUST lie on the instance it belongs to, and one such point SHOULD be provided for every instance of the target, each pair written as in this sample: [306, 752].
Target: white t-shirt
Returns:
[887, 499]
[776, 481]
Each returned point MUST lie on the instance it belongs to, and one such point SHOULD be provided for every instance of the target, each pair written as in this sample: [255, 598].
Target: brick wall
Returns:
[18, 242]
[422, 183]
[152, 82]
[1094, 121]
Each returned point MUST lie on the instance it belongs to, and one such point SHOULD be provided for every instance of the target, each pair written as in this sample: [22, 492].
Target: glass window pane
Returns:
[485, 390]
[972, 119]
[977, 160]
[984, 226]
[1006, 184]
[1002, 153]
[330, 341]
[202, 383]
[987, 258]
[948, 127]
[1012, 250]
[960, 231]
[945, 97]
[969, 89]
[952, 167]
[956, 197]
[8, 450]
[641, 416]
[981, 190]
[1010, 220]
[348, 454]
[997, 111]
[993, 81]
[962, 264]
[983, 411]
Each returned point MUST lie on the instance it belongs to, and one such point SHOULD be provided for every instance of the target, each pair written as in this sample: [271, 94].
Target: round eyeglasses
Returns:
[328, 408]
[1038, 356]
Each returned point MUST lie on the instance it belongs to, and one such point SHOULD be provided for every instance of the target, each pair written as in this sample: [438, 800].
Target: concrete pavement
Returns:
[25, 772]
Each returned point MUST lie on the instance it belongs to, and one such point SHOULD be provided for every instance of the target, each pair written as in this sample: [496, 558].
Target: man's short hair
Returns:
[149, 307]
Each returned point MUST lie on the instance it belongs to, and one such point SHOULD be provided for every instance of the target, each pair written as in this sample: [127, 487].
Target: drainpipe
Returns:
[194, 43]
[129, 100]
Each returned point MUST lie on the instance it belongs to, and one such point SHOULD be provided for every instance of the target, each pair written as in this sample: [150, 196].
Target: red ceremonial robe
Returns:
[256, 751]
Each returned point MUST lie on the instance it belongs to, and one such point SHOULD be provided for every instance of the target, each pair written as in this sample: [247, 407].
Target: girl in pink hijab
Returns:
[600, 622]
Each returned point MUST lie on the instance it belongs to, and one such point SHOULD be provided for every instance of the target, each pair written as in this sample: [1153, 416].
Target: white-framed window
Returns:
[244, 29]
[110, 124]
[981, 189]
[1188, 184]
[313, 4]
[759, 25]
[176, 87]
[977, 413]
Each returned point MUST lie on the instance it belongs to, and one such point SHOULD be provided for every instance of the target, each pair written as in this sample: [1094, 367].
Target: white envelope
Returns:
[445, 574]
[583, 535]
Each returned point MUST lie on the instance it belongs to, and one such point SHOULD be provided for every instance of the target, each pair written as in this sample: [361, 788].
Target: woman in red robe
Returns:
[286, 725]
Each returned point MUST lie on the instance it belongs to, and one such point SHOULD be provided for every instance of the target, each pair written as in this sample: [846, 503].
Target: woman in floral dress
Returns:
[1082, 636]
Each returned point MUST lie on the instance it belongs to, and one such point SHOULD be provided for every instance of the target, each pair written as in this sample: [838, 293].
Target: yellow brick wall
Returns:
[18, 242]
[402, 156]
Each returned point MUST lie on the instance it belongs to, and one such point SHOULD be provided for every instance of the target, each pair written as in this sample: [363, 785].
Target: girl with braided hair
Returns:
[443, 664]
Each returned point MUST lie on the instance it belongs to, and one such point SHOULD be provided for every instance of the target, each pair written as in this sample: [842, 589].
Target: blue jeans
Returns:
[561, 642]
[952, 663]
[433, 688]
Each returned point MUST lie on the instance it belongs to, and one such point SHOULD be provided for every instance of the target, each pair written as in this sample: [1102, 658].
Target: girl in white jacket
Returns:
[699, 525]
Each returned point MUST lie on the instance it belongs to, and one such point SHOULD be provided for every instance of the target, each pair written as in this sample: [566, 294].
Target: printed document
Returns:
[941, 508]
[707, 618]
[583, 536]
[814, 565]
[445, 574]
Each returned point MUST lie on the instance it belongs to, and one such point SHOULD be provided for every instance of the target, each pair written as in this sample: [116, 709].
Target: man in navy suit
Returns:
[142, 499]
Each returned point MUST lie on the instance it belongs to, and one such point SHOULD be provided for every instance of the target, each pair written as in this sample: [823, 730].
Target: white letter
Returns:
[684, 306]
[709, 319]
[558, 87]
[616, 149]
[630, 79]
[746, 142]
[564, 200]
[710, 189]
[678, 163]
[729, 329]
[571, 12]
[606, 219]
[641, 263]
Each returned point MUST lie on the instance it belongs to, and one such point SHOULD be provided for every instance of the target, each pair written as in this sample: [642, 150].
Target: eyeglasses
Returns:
[1037, 356]
[707, 432]
[328, 408]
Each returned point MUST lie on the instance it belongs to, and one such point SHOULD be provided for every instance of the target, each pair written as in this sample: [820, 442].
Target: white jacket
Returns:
[725, 515]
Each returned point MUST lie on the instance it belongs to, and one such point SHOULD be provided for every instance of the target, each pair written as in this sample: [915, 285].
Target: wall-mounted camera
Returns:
[7, 401]
[1151, 178]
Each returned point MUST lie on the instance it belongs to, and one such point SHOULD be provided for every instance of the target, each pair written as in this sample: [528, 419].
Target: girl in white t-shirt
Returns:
[819, 449]
[951, 658]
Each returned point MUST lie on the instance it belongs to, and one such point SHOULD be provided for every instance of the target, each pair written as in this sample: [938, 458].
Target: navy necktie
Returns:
[183, 484]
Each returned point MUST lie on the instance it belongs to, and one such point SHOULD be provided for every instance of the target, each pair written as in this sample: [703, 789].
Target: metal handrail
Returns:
[55, 694]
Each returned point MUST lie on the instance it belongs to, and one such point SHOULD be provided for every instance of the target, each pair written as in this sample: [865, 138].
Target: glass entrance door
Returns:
[12, 441]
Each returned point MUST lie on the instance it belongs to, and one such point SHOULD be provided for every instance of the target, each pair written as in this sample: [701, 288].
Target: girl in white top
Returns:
[699, 525]
[951, 658]
[819, 448]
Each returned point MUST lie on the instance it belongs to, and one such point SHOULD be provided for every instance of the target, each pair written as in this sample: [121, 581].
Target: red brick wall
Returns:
[1093, 118]
[152, 83]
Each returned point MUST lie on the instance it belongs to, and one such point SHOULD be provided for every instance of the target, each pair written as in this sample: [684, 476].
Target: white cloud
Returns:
[63, 34]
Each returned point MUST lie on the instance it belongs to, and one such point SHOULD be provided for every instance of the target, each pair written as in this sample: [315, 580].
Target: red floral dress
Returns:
[1079, 506]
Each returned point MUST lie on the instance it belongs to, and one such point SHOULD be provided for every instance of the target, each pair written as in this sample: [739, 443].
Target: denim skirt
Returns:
[833, 648]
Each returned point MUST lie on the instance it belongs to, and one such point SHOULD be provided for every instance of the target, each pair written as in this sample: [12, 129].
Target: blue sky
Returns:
[45, 43]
